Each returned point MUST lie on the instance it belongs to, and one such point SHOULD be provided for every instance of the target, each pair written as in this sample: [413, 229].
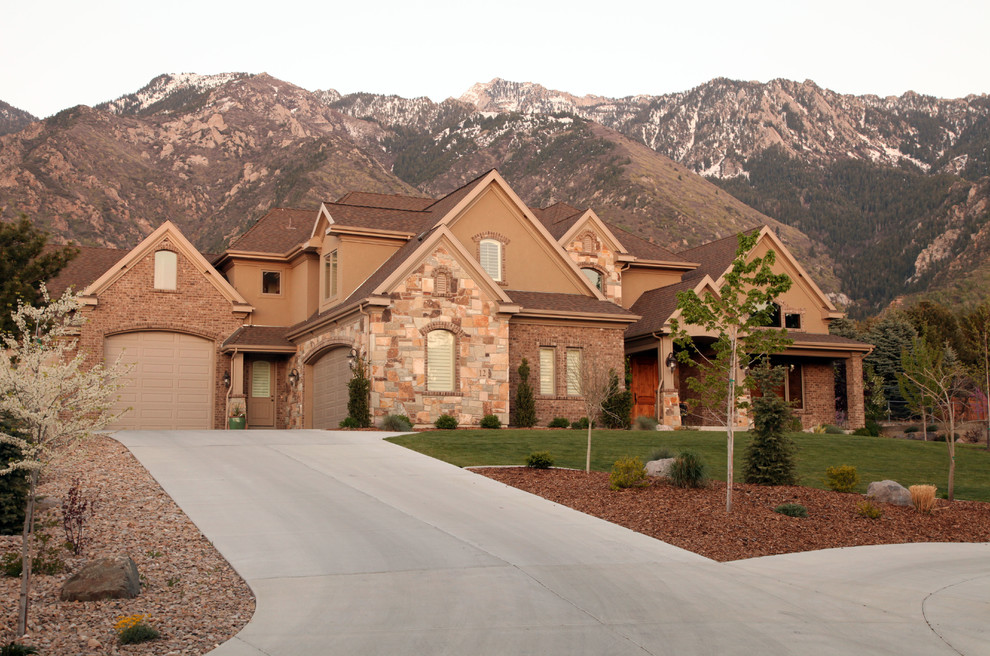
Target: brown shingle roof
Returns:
[260, 337]
[655, 308]
[379, 218]
[643, 249]
[390, 201]
[812, 339]
[90, 264]
[558, 218]
[557, 302]
[278, 232]
[714, 258]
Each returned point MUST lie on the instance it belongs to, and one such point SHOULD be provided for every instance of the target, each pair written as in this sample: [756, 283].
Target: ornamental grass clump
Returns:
[646, 423]
[841, 479]
[688, 470]
[134, 629]
[923, 498]
[627, 472]
[396, 423]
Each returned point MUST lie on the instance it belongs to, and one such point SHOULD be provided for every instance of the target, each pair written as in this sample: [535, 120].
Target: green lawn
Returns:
[908, 462]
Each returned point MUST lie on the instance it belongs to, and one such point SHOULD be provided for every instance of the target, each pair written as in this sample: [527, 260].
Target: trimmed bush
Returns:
[841, 479]
[397, 423]
[580, 424]
[770, 454]
[525, 405]
[866, 508]
[559, 422]
[688, 470]
[645, 423]
[660, 453]
[873, 427]
[349, 422]
[923, 498]
[627, 472]
[791, 510]
[539, 460]
[358, 390]
[491, 421]
[863, 432]
[446, 422]
[832, 429]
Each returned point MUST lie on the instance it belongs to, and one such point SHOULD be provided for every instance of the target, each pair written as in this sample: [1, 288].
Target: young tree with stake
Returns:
[51, 398]
[737, 317]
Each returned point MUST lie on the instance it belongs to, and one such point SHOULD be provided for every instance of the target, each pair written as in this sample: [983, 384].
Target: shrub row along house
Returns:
[443, 299]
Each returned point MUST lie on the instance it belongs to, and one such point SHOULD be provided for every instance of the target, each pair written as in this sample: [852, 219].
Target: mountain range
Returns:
[880, 197]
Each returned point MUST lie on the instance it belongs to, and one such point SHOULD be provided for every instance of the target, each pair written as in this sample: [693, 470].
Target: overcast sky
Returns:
[61, 53]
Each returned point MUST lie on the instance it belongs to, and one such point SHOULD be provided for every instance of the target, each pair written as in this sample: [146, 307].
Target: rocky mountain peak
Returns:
[13, 119]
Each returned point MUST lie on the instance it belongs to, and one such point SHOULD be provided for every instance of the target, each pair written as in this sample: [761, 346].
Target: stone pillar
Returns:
[670, 408]
[854, 391]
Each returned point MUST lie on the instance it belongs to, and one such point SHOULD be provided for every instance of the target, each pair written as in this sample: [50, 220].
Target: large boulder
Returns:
[107, 578]
[659, 468]
[889, 492]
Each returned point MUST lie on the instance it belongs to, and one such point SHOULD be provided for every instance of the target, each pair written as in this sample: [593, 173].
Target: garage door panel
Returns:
[331, 374]
[171, 383]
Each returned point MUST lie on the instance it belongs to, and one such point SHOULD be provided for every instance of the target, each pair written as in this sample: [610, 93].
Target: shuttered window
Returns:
[491, 258]
[261, 379]
[166, 269]
[547, 357]
[440, 361]
[573, 372]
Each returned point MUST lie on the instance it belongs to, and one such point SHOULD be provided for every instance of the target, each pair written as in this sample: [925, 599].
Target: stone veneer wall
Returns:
[601, 258]
[525, 339]
[195, 307]
[397, 352]
[349, 333]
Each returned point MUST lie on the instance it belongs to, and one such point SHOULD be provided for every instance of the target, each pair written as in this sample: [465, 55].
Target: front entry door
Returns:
[645, 380]
[261, 395]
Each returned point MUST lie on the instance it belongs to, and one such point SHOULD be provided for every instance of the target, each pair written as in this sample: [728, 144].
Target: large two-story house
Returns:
[442, 298]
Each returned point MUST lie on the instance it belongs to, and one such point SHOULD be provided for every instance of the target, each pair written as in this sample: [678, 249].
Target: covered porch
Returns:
[260, 379]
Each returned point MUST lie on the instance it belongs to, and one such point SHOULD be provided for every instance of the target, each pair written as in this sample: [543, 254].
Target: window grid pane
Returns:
[440, 361]
[491, 258]
[546, 371]
[573, 372]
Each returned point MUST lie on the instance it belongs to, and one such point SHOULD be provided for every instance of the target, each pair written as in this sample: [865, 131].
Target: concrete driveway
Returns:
[357, 546]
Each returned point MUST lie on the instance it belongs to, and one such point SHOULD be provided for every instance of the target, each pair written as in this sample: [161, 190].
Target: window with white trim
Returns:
[490, 254]
[548, 355]
[166, 269]
[440, 361]
[574, 372]
[330, 275]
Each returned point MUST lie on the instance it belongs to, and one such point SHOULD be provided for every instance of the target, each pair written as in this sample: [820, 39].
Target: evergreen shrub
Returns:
[791, 510]
[539, 460]
[559, 422]
[446, 422]
[842, 479]
[525, 405]
[358, 389]
[627, 472]
[580, 424]
[491, 421]
[770, 455]
[617, 409]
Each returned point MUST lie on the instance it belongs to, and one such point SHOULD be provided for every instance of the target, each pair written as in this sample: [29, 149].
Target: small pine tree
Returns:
[525, 405]
[617, 409]
[358, 407]
[770, 456]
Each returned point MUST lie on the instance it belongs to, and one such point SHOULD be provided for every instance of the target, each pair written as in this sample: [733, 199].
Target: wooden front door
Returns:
[645, 380]
[261, 395]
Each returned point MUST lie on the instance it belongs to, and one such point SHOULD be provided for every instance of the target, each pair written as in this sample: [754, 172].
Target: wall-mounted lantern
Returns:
[671, 362]
[226, 379]
[293, 377]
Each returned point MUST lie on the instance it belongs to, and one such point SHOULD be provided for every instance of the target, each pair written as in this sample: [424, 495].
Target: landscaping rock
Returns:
[889, 492]
[107, 578]
[659, 468]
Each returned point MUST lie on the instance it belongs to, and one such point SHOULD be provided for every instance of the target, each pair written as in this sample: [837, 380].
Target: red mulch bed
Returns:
[696, 520]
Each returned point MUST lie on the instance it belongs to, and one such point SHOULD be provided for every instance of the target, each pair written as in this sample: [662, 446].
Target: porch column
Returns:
[668, 398]
[237, 396]
[854, 391]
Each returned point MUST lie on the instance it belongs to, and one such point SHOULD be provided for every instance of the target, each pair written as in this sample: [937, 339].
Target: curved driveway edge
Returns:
[357, 546]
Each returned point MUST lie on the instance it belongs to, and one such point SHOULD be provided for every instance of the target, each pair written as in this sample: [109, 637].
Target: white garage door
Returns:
[331, 374]
[171, 384]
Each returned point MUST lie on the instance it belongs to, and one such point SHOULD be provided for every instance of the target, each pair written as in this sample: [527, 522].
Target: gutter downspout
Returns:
[657, 392]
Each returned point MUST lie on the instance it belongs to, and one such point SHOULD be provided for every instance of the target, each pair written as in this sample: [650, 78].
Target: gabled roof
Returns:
[558, 218]
[87, 266]
[265, 339]
[378, 218]
[570, 304]
[713, 258]
[647, 250]
[182, 246]
[390, 201]
[277, 232]
[656, 306]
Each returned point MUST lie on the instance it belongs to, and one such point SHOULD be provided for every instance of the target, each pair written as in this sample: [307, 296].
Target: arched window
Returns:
[443, 282]
[440, 361]
[588, 243]
[490, 254]
[166, 269]
[595, 276]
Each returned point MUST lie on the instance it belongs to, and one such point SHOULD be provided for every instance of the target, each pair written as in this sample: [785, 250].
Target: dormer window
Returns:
[595, 276]
[330, 275]
[490, 252]
[166, 269]
[271, 282]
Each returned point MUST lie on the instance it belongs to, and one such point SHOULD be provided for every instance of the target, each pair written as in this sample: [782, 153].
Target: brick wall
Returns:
[819, 394]
[604, 345]
[195, 307]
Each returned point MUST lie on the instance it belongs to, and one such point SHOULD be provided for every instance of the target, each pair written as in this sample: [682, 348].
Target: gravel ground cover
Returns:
[695, 519]
[190, 593]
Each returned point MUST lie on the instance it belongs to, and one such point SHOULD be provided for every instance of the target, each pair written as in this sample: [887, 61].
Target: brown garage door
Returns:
[331, 374]
[171, 384]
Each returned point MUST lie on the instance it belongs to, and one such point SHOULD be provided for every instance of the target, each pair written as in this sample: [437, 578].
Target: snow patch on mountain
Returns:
[164, 86]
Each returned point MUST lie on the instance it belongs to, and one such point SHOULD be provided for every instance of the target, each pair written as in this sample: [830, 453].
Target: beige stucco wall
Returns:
[637, 280]
[529, 263]
[800, 297]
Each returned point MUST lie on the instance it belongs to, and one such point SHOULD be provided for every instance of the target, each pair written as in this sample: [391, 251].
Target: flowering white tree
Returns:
[50, 398]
